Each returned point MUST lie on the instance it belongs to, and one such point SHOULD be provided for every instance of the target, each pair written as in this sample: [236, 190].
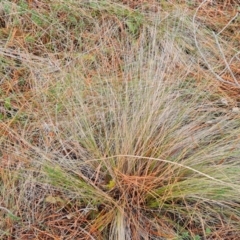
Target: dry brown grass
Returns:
[65, 72]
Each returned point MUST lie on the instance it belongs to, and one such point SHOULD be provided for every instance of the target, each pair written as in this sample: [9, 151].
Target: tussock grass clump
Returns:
[119, 141]
[148, 155]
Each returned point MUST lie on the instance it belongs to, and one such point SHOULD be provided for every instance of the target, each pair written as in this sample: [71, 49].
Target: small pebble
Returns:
[224, 101]
[235, 110]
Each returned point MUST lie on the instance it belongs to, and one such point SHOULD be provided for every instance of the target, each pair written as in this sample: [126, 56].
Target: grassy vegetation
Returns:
[119, 120]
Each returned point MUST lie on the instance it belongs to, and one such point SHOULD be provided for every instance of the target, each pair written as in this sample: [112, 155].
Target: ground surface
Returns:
[119, 119]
